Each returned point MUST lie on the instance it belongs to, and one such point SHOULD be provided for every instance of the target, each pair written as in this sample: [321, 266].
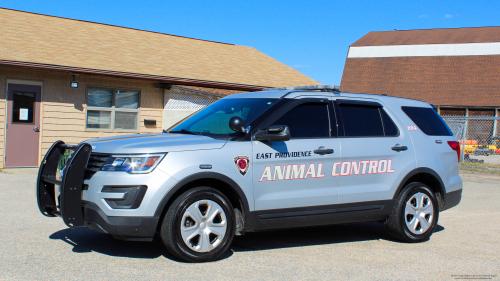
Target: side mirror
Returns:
[236, 124]
[273, 133]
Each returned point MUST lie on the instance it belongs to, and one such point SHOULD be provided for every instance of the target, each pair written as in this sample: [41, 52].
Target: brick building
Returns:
[75, 80]
[458, 70]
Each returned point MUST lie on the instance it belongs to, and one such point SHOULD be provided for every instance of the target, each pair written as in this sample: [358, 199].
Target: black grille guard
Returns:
[70, 201]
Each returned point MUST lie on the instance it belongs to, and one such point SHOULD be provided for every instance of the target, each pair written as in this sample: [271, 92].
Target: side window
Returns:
[113, 110]
[361, 121]
[308, 120]
[427, 120]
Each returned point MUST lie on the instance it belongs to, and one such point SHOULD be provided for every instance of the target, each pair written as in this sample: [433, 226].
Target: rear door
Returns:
[376, 154]
[23, 122]
[295, 173]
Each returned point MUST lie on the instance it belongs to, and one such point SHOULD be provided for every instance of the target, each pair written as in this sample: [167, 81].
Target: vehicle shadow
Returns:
[85, 240]
[312, 236]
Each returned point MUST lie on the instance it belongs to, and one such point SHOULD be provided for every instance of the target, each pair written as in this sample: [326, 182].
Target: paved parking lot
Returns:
[467, 243]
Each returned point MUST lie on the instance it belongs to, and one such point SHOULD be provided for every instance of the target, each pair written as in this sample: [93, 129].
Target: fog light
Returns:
[132, 199]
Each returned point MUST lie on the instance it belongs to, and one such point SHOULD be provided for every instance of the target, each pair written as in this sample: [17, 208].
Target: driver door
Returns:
[290, 175]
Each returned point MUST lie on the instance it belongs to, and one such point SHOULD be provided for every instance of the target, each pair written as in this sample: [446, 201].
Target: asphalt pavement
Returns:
[465, 246]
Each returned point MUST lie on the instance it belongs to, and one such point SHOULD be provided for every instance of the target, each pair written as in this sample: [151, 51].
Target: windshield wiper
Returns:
[184, 131]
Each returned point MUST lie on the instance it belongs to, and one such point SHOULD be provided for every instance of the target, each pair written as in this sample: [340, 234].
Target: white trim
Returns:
[429, 50]
[23, 82]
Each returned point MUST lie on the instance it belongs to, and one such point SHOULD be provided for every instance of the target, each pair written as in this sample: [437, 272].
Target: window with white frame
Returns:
[112, 109]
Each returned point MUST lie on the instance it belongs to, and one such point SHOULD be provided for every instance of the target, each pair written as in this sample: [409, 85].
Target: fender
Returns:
[197, 176]
[420, 171]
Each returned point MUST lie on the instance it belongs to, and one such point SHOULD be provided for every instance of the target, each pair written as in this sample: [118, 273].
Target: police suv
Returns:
[292, 157]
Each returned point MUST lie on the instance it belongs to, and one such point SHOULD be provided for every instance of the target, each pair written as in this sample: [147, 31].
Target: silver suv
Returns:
[260, 161]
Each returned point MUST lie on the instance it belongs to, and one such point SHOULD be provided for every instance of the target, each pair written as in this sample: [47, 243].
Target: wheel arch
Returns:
[428, 177]
[214, 180]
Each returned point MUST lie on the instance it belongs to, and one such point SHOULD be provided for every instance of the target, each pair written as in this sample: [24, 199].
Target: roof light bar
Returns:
[323, 88]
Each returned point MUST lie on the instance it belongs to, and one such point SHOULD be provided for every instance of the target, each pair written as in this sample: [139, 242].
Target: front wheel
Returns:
[199, 225]
[415, 214]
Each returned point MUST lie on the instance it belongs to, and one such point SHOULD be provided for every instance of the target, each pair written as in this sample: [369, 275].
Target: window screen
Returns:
[308, 120]
[361, 121]
[427, 120]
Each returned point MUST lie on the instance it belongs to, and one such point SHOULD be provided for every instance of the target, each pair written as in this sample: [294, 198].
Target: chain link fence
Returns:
[479, 139]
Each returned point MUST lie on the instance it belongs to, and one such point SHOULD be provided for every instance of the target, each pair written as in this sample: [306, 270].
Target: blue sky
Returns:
[310, 36]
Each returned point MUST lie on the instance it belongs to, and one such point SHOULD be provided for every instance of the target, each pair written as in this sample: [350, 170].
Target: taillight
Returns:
[455, 145]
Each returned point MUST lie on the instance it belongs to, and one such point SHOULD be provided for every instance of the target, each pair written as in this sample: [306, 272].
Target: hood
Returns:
[153, 143]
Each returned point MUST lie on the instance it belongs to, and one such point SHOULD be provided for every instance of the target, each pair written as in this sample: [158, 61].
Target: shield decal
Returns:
[242, 164]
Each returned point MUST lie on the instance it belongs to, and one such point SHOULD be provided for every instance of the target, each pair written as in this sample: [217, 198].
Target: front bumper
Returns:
[78, 213]
[125, 228]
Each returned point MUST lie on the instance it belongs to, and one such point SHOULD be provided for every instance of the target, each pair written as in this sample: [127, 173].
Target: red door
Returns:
[23, 123]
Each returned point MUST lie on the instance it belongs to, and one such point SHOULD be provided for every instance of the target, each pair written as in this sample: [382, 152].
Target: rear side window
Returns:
[366, 121]
[361, 121]
[427, 120]
[308, 120]
[390, 129]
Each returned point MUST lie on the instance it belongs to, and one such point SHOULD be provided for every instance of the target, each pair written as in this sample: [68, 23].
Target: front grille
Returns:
[96, 161]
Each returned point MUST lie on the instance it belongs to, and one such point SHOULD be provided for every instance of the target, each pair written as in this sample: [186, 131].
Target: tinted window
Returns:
[427, 120]
[361, 121]
[389, 128]
[307, 121]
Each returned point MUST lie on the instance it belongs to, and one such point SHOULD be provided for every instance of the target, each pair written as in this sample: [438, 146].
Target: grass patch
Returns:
[480, 168]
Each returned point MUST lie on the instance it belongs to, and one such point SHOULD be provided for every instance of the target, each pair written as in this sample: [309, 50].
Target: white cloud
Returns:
[423, 16]
[299, 66]
[447, 16]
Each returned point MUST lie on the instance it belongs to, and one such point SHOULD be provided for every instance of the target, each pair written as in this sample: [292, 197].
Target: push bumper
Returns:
[124, 228]
[75, 212]
[70, 200]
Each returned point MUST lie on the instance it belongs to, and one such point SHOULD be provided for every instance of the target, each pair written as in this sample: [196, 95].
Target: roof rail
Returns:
[322, 88]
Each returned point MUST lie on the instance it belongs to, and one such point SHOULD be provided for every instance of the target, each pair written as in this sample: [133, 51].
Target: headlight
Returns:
[136, 164]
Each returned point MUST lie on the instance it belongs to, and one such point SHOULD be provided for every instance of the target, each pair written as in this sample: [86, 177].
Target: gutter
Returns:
[162, 79]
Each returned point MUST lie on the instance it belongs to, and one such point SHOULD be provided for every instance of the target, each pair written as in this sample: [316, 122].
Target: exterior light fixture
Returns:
[74, 84]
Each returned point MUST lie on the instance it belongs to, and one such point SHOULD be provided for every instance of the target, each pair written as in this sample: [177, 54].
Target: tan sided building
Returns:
[71, 80]
[458, 70]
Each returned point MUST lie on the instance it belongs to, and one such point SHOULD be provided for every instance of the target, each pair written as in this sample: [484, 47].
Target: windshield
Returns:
[214, 119]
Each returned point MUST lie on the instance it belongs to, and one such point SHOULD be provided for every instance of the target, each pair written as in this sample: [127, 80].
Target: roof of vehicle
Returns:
[313, 94]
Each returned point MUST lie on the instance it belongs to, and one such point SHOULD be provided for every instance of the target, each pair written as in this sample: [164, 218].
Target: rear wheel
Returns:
[199, 225]
[415, 215]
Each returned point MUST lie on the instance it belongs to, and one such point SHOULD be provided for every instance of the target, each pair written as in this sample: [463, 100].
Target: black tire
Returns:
[171, 226]
[397, 221]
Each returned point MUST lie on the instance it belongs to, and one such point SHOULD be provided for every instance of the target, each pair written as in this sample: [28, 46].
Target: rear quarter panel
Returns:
[429, 153]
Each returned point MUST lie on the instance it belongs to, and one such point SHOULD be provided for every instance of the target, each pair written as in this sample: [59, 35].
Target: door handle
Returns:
[399, 148]
[322, 151]
[36, 129]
